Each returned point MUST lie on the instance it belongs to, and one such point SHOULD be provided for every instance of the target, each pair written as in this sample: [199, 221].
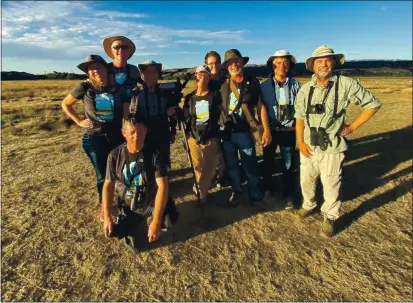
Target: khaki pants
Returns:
[205, 160]
[329, 168]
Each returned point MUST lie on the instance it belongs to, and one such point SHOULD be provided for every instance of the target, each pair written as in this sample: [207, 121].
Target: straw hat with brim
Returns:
[324, 51]
[232, 54]
[107, 45]
[281, 53]
[89, 60]
[143, 66]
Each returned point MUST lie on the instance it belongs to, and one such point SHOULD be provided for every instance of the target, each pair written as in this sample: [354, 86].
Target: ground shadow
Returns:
[377, 155]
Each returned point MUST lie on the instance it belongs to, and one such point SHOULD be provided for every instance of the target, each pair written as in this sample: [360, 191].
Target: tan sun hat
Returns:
[324, 51]
[107, 45]
[281, 53]
[89, 60]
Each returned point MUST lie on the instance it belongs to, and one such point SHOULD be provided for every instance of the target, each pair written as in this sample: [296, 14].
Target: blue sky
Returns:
[40, 37]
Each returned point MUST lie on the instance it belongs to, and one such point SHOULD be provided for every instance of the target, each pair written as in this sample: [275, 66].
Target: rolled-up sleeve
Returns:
[358, 95]
[299, 105]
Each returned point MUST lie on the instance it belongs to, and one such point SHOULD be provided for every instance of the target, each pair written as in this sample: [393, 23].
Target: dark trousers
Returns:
[136, 235]
[286, 142]
[97, 148]
[160, 140]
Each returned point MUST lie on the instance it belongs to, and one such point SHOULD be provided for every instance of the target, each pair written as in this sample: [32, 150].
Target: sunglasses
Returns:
[120, 47]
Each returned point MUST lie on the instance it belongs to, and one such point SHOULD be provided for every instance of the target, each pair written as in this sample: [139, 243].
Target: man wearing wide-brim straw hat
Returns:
[278, 93]
[240, 98]
[321, 130]
[121, 49]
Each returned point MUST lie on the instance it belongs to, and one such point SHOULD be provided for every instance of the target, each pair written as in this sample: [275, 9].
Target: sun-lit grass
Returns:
[53, 247]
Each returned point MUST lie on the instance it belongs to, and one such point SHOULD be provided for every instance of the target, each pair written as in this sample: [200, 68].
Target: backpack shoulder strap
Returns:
[307, 112]
[336, 97]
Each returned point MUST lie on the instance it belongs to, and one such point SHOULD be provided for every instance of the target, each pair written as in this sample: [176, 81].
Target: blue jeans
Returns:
[243, 143]
[97, 148]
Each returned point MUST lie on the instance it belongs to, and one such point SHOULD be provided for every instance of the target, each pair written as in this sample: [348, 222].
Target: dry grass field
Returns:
[53, 247]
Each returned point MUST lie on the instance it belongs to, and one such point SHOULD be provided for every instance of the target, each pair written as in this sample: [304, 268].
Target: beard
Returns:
[235, 71]
[324, 73]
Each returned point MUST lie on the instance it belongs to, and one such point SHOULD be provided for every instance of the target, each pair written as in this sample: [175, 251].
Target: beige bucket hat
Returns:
[324, 51]
[281, 53]
[144, 65]
[107, 45]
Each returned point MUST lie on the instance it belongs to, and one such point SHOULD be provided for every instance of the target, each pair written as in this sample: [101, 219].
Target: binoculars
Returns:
[319, 137]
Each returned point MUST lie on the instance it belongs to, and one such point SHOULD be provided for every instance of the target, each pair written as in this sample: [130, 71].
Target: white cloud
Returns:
[73, 30]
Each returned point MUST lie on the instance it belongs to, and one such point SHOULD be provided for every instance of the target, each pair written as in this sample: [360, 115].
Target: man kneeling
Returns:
[140, 180]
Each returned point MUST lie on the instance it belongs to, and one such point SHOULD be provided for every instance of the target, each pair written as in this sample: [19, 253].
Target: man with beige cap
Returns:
[320, 112]
[278, 94]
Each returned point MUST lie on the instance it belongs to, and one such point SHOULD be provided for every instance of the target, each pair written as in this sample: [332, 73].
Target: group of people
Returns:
[128, 129]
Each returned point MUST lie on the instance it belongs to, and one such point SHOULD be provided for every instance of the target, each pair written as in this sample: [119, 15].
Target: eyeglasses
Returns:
[120, 47]
[211, 64]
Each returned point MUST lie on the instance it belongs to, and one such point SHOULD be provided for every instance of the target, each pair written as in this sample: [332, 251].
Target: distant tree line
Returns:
[350, 68]
[49, 76]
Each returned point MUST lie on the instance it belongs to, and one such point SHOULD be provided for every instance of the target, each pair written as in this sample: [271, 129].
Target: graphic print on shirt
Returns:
[120, 78]
[104, 107]
[233, 103]
[202, 111]
[137, 180]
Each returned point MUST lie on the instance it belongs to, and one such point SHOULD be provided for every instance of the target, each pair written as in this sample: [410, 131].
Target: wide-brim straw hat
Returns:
[107, 45]
[231, 54]
[89, 60]
[143, 66]
[281, 53]
[324, 51]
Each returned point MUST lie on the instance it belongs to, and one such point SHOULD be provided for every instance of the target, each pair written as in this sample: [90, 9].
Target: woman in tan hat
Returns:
[121, 49]
[203, 107]
[103, 112]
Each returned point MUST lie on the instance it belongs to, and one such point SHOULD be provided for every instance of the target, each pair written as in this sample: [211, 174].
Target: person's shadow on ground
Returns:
[375, 156]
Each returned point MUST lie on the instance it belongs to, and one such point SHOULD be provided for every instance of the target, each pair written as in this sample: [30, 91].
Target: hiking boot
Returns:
[304, 213]
[235, 199]
[327, 228]
[289, 203]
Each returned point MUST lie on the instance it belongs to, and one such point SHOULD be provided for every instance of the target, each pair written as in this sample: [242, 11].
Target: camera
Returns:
[134, 197]
[317, 109]
[319, 137]
[284, 113]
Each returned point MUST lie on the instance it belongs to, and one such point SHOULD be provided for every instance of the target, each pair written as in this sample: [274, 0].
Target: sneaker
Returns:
[235, 199]
[327, 228]
[304, 213]
[289, 203]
